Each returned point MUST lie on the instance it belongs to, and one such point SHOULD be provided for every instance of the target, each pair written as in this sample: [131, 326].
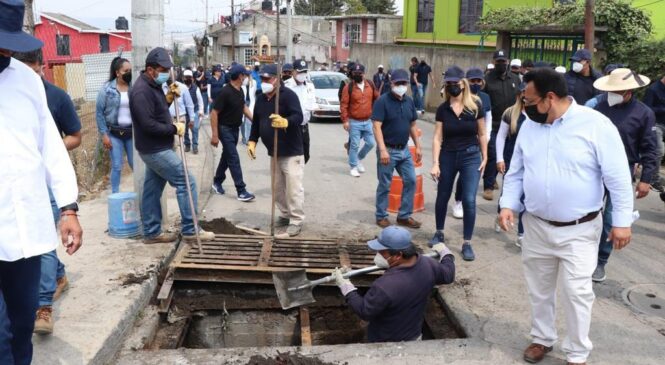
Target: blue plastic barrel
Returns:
[123, 215]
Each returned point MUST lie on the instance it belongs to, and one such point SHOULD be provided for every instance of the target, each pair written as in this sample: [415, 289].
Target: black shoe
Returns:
[186, 148]
[195, 150]
[658, 186]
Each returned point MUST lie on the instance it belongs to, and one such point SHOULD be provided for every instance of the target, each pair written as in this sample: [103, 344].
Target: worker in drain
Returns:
[395, 304]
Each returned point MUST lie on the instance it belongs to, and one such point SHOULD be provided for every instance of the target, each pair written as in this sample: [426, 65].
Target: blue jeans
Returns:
[401, 161]
[19, 285]
[605, 247]
[204, 95]
[466, 163]
[195, 133]
[417, 97]
[489, 177]
[52, 268]
[119, 146]
[163, 167]
[230, 159]
[359, 130]
[246, 129]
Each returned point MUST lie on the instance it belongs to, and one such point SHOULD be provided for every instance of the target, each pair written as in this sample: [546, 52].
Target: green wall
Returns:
[657, 12]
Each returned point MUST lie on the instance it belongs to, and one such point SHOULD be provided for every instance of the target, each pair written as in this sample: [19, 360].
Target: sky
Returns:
[183, 18]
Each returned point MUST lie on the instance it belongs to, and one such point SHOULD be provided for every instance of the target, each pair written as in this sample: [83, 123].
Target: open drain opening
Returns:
[207, 316]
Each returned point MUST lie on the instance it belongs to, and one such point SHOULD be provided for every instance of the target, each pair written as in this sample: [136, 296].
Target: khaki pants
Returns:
[567, 256]
[289, 191]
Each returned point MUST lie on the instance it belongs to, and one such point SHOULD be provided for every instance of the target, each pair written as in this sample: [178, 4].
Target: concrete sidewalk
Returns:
[111, 280]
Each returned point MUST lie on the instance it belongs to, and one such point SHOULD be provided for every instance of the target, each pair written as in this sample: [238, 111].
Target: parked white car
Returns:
[327, 99]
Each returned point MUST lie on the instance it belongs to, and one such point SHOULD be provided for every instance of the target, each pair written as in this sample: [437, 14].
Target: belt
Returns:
[395, 146]
[584, 219]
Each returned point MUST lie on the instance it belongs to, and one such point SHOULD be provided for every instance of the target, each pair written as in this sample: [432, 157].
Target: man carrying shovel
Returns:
[395, 304]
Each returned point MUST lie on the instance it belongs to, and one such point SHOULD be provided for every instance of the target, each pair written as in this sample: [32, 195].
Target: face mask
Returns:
[161, 78]
[127, 77]
[399, 90]
[475, 89]
[453, 90]
[380, 261]
[380, 70]
[577, 67]
[533, 114]
[285, 77]
[245, 81]
[267, 88]
[4, 62]
[614, 99]
[301, 77]
[501, 68]
[357, 78]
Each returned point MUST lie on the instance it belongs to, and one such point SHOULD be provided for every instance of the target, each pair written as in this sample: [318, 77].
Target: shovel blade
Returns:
[283, 280]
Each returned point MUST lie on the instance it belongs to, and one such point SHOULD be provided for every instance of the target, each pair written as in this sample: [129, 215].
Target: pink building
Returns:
[362, 28]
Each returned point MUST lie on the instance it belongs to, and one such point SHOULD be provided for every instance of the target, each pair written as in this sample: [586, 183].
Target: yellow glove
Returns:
[278, 121]
[174, 92]
[180, 128]
[251, 150]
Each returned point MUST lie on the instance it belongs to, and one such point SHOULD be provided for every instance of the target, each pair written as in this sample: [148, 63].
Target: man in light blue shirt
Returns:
[563, 156]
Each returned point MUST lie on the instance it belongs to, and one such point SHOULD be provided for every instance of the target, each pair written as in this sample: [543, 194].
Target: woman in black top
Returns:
[459, 146]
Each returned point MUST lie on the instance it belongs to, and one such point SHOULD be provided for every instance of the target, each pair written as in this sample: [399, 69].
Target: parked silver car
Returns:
[327, 99]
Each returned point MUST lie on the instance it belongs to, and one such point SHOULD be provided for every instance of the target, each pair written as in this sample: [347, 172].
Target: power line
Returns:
[651, 3]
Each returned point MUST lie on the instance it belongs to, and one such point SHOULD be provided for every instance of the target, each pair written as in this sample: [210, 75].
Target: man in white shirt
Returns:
[185, 104]
[306, 94]
[34, 158]
[563, 155]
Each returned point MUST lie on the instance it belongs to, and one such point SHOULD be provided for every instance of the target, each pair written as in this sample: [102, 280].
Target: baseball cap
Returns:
[287, 67]
[611, 67]
[160, 57]
[560, 69]
[217, 68]
[358, 68]
[500, 55]
[399, 75]
[391, 238]
[453, 74]
[490, 66]
[12, 36]
[269, 70]
[257, 63]
[300, 65]
[542, 64]
[516, 62]
[188, 73]
[581, 54]
[380, 66]
[238, 69]
[475, 73]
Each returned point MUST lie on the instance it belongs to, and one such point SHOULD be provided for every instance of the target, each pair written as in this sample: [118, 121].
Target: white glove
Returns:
[442, 250]
[345, 285]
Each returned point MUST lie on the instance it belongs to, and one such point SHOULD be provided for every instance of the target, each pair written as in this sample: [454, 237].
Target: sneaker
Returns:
[44, 320]
[187, 149]
[467, 252]
[203, 236]
[657, 186]
[599, 274]
[520, 238]
[293, 230]
[218, 189]
[383, 222]
[61, 285]
[458, 210]
[437, 238]
[281, 222]
[163, 237]
[488, 194]
[195, 150]
[409, 223]
[354, 172]
[246, 196]
[361, 168]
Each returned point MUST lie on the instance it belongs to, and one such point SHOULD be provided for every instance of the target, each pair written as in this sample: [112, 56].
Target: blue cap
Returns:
[611, 67]
[237, 70]
[399, 75]
[453, 74]
[475, 73]
[300, 65]
[12, 36]
[358, 68]
[160, 57]
[542, 64]
[217, 68]
[268, 70]
[287, 67]
[581, 54]
[391, 238]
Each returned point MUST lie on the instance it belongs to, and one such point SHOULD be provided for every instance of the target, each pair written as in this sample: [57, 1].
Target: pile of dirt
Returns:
[133, 278]
[221, 226]
[288, 359]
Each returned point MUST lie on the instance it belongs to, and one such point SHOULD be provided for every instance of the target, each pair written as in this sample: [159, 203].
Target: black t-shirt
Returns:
[229, 105]
[459, 132]
[423, 73]
[62, 109]
[413, 69]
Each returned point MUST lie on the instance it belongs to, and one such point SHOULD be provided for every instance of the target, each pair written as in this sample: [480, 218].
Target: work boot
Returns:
[409, 222]
[195, 150]
[164, 237]
[44, 320]
[599, 274]
[383, 222]
[187, 149]
[62, 285]
[203, 236]
[293, 230]
[281, 222]
[488, 194]
[536, 352]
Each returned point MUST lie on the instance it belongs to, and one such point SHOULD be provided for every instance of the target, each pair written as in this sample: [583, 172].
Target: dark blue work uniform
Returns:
[290, 140]
[62, 109]
[216, 86]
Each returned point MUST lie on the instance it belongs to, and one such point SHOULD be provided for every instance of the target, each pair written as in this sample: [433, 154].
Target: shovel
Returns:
[294, 289]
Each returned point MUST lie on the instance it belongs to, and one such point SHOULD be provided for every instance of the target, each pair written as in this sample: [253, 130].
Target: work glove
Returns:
[345, 285]
[174, 92]
[278, 121]
[442, 250]
[251, 150]
[180, 128]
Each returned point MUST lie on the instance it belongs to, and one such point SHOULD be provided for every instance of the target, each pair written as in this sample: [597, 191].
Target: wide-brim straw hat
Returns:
[621, 79]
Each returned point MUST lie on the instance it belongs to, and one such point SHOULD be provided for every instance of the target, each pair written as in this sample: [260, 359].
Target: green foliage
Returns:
[334, 7]
[318, 7]
[646, 57]
[355, 7]
[380, 6]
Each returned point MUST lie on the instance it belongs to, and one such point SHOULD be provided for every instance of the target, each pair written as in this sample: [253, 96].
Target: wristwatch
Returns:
[73, 206]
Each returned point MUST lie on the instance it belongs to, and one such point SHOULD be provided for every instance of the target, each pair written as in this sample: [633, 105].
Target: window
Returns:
[469, 13]
[104, 43]
[248, 56]
[62, 44]
[425, 22]
[351, 33]
[371, 33]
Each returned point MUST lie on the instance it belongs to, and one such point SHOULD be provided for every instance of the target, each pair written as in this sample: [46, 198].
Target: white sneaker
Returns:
[360, 167]
[354, 172]
[458, 210]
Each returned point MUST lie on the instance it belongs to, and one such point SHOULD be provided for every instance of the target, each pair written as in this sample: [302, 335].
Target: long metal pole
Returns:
[205, 35]
[589, 25]
[274, 139]
[233, 32]
[192, 206]
[289, 32]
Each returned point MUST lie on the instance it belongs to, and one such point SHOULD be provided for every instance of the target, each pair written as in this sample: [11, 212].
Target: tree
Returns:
[380, 6]
[318, 7]
[355, 7]
[29, 18]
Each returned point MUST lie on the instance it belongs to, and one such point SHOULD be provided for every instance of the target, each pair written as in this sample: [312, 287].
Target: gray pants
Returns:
[660, 140]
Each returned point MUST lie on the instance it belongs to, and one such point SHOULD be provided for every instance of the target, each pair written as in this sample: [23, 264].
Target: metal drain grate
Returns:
[647, 298]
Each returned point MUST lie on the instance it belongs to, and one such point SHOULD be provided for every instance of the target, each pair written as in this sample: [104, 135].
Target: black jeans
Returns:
[230, 158]
[489, 177]
[305, 141]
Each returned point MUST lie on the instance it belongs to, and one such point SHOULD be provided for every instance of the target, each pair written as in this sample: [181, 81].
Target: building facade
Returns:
[362, 28]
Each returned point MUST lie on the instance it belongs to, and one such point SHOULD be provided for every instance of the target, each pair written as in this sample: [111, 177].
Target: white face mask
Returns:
[301, 77]
[267, 88]
[614, 99]
[577, 67]
[245, 81]
[399, 90]
[381, 262]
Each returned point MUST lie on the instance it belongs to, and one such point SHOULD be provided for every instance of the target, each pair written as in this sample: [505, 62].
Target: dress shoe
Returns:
[383, 222]
[536, 352]
[409, 222]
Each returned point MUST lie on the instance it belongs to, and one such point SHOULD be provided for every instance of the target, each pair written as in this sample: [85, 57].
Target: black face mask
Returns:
[380, 70]
[533, 114]
[4, 62]
[501, 68]
[285, 77]
[127, 77]
[188, 81]
[357, 78]
[453, 90]
[475, 88]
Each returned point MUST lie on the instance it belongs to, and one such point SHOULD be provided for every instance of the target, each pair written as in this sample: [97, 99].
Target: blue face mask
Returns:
[475, 88]
[161, 78]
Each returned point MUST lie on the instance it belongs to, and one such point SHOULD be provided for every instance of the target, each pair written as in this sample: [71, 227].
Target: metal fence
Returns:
[555, 49]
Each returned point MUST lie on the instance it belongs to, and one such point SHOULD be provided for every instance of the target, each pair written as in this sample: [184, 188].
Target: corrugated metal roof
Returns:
[69, 21]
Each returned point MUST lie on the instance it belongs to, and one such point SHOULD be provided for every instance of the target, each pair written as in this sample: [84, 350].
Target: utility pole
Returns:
[278, 55]
[29, 18]
[589, 25]
[233, 32]
[205, 43]
[289, 34]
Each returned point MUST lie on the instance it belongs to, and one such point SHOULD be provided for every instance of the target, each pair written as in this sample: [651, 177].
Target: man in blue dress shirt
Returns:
[564, 154]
